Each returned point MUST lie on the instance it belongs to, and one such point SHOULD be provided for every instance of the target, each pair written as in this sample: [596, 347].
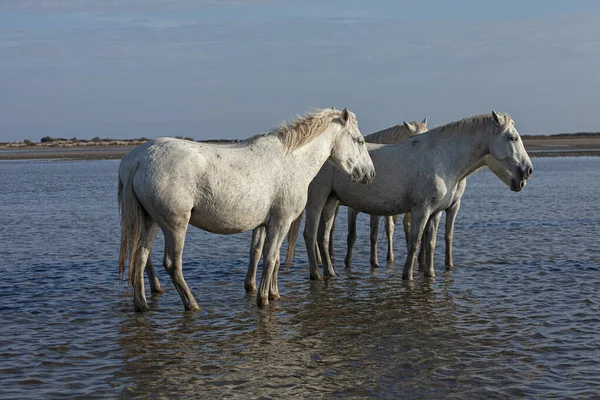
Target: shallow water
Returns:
[518, 316]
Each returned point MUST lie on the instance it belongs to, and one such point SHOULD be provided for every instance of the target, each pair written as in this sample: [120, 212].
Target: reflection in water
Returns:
[518, 316]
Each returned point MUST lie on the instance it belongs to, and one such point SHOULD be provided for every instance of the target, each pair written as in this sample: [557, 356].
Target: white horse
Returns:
[169, 183]
[419, 175]
[394, 134]
[390, 135]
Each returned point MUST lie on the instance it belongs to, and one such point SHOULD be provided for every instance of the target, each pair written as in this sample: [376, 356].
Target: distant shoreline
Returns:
[543, 146]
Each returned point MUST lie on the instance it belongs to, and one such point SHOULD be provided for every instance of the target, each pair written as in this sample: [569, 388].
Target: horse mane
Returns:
[304, 129]
[474, 123]
[394, 134]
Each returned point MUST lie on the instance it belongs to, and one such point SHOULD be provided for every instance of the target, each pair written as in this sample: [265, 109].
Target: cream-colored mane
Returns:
[395, 134]
[304, 129]
[474, 123]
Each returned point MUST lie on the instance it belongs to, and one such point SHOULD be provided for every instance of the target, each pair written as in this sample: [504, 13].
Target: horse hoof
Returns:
[329, 275]
[274, 296]
[262, 300]
[315, 276]
[407, 277]
[250, 288]
[193, 307]
[347, 263]
[390, 259]
[157, 290]
[449, 266]
[374, 265]
[141, 307]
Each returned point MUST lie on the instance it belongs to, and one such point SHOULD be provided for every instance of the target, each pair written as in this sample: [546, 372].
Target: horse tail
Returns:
[292, 238]
[132, 222]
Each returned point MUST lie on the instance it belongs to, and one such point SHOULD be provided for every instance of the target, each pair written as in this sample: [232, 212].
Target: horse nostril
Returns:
[529, 171]
[522, 184]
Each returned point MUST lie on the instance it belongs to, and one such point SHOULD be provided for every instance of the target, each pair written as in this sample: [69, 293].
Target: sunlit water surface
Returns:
[518, 316]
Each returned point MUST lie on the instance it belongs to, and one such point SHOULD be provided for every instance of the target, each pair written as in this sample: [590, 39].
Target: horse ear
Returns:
[411, 128]
[425, 121]
[345, 117]
[498, 118]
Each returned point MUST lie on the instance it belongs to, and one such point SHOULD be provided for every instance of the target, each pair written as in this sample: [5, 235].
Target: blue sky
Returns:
[234, 68]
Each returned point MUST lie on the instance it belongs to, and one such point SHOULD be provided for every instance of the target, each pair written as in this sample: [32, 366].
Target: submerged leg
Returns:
[390, 226]
[428, 245]
[449, 234]
[374, 234]
[418, 219]
[275, 233]
[173, 263]
[258, 239]
[352, 214]
[327, 219]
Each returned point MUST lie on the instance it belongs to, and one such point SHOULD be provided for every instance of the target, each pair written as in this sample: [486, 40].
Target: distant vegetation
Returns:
[49, 141]
[559, 135]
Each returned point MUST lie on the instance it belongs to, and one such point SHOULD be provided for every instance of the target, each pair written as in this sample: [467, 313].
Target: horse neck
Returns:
[465, 153]
[309, 158]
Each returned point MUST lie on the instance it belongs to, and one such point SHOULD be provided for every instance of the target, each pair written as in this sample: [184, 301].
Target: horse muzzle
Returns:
[517, 185]
[368, 177]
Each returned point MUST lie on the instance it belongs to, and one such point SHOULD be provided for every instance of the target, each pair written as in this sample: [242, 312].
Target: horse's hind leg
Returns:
[352, 214]
[374, 236]
[147, 236]
[390, 226]
[155, 287]
[327, 220]
[331, 250]
[428, 244]
[258, 240]
[174, 241]
[406, 224]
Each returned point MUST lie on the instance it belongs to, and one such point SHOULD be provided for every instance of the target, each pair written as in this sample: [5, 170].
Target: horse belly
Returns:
[371, 199]
[226, 219]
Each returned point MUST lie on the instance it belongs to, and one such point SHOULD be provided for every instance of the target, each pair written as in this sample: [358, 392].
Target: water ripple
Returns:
[518, 316]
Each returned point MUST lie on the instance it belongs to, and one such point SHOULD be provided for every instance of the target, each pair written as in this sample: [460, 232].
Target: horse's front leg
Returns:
[352, 214]
[256, 247]
[390, 226]
[374, 234]
[428, 245]
[418, 219]
[327, 220]
[449, 234]
[275, 233]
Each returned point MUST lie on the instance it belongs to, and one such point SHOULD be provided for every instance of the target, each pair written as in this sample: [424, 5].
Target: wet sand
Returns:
[536, 147]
